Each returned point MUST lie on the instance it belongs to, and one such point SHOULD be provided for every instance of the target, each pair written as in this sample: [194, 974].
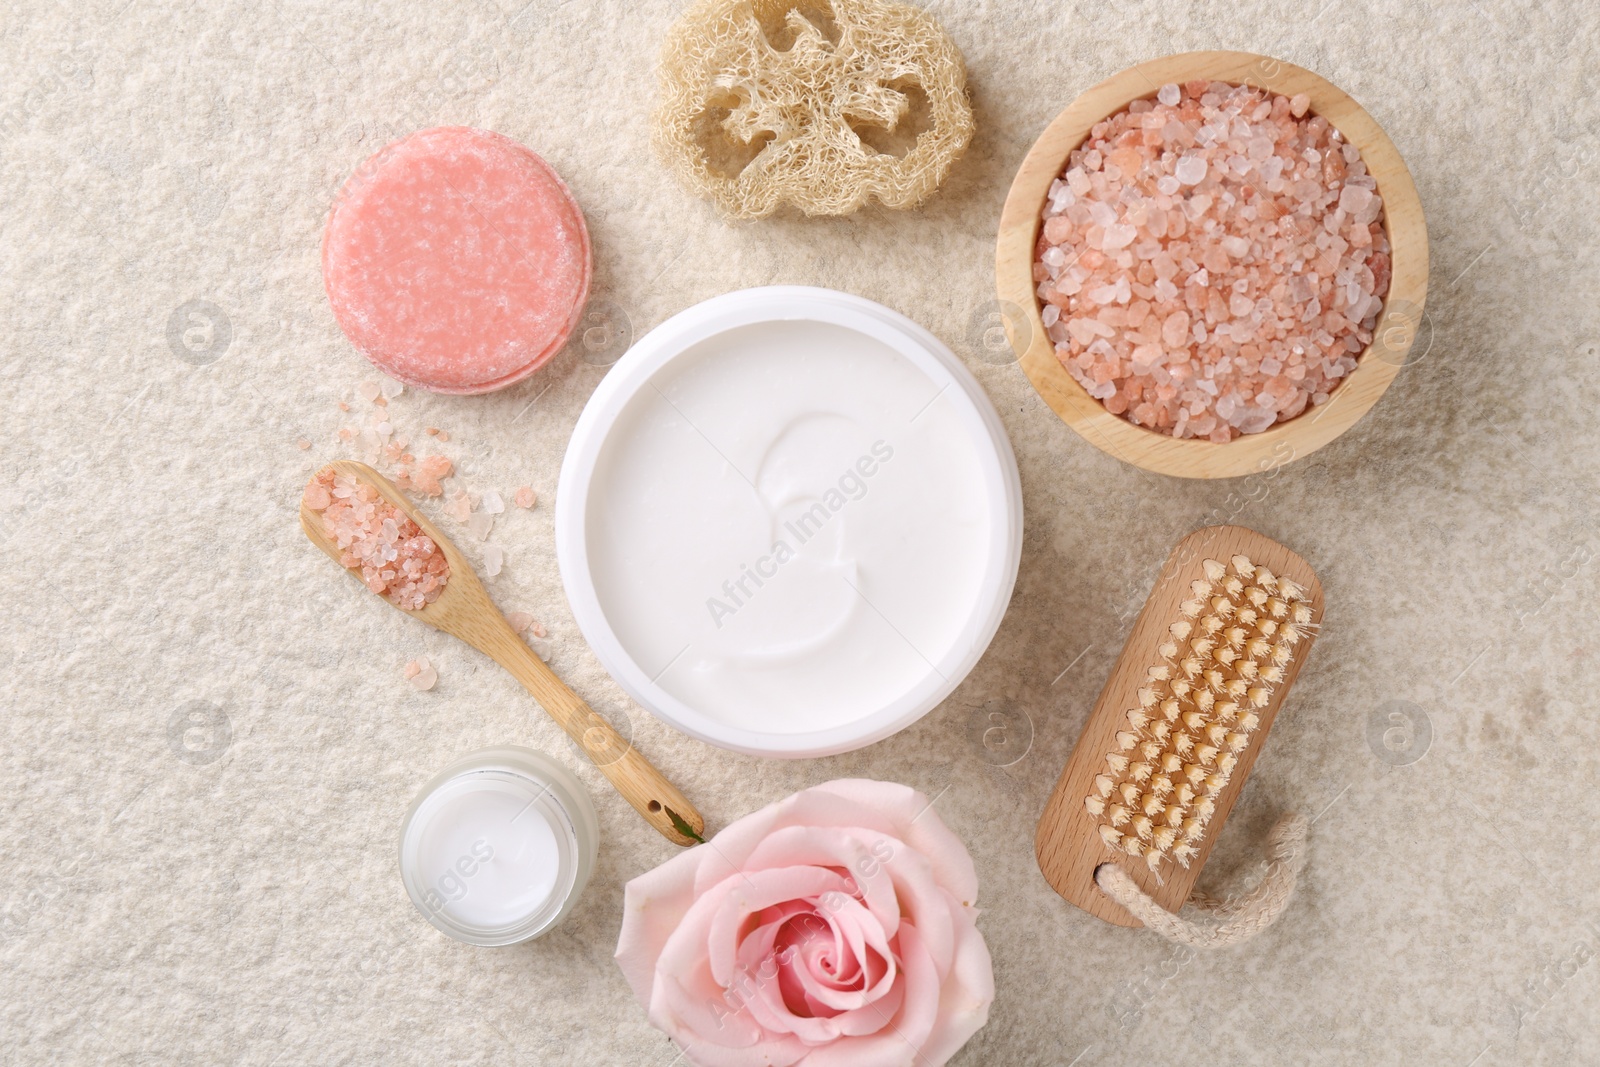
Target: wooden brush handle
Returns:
[657, 799]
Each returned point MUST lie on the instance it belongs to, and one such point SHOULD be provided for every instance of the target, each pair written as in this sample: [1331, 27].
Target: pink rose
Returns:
[835, 928]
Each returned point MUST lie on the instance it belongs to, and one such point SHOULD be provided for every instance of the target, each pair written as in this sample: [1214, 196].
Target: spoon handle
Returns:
[657, 799]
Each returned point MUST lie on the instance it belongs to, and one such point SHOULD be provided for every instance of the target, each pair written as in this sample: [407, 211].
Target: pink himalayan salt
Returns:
[524, 497]
[420, 673]
[522, 622]
[425, 476]
[456, 260]
[459, 506]
[395, 558]
[1254, 273]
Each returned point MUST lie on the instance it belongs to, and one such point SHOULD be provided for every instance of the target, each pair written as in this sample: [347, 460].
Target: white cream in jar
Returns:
[789, 521]
[497, 847]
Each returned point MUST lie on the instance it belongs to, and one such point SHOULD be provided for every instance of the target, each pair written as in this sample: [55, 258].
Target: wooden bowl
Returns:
[1284, 441]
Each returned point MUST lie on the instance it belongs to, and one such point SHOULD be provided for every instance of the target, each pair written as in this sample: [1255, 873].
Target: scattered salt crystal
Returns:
[492, 503]
[302, 444]
[541, 648]
[525, 497]
[479, 524]
[459, 506]
[421, 675]
[390, 388]
[538, 630]
[494, 558]
[519, 620]
[369, 390]
[426, 475]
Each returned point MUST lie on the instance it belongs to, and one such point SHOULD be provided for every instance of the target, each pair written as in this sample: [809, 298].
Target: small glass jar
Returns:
[497, 847]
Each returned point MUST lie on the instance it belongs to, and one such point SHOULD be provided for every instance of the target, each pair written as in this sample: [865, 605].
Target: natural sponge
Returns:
[819, 104]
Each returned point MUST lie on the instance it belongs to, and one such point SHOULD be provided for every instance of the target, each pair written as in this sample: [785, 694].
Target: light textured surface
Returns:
[247, 910]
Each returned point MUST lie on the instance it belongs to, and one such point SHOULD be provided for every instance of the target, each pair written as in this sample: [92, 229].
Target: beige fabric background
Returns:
[247, 910]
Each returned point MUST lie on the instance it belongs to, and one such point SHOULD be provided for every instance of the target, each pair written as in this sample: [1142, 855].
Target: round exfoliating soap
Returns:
[456, 260]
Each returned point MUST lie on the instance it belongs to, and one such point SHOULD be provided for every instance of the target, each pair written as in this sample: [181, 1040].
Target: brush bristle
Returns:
[1226, 658]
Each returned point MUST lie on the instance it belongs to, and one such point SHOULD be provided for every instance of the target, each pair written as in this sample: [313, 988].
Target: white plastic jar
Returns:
[789, 521]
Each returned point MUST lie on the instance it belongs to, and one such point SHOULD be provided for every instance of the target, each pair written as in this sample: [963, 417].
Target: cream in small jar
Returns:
[497, 847]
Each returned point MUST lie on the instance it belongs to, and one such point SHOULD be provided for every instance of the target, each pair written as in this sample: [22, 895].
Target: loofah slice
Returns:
[820, 105]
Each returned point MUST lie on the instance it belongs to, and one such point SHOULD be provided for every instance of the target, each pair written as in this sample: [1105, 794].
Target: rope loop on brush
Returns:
[1218, 922]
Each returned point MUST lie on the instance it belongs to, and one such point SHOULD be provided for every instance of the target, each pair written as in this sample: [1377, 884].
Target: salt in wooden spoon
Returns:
[464, 610]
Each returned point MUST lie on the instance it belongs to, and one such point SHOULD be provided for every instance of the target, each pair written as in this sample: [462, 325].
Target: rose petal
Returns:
[966, 993]
[910, 816]
[686, 995]
[855, 928]
[859, 851]
[741, 896]
[902, 1038]
[772, 990]
[653, 904]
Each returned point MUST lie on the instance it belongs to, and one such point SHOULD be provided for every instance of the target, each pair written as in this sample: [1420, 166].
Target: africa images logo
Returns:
[851, 485]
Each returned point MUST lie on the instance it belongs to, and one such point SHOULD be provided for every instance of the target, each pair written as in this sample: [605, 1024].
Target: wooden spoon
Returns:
[464, 610]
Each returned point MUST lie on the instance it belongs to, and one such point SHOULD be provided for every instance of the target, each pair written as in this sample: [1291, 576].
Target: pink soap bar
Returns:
[456, 260]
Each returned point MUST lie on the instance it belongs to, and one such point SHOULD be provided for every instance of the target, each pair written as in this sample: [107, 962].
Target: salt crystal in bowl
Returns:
[1302, 406]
